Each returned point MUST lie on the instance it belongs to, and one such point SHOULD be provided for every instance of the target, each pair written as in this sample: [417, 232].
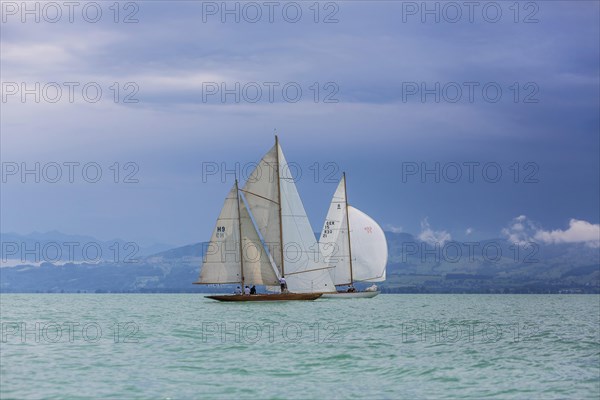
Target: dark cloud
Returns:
[372, 55]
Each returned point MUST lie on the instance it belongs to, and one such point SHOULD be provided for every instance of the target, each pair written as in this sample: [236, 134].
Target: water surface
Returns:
[392, 346]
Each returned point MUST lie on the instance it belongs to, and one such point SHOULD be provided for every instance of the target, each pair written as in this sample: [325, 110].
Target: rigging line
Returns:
[258, 195]
[308, 270]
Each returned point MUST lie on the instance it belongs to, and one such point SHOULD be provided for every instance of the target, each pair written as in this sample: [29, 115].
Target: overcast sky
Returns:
[379, 89]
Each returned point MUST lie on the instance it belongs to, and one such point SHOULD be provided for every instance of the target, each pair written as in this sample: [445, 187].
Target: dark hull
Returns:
[266, 297]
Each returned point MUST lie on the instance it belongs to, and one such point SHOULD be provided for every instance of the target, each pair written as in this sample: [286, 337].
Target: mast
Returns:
[279, 202]
[348, 225]
[237, 192]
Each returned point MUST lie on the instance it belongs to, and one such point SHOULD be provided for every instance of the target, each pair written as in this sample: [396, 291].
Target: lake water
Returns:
[171, 346]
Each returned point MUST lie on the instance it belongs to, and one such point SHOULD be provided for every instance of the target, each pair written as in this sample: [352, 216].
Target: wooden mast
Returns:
[279, 202]
[237, 192]
[348, 225]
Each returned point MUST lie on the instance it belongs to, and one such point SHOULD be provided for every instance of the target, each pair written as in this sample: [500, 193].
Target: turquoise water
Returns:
[392, 346]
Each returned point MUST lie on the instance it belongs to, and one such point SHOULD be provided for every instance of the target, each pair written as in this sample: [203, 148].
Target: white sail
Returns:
[369, 247]
[269, 187]
[334, 238]
[276, 212]
[258, 269]
[221, 262]
[304, 268]
[261, 193]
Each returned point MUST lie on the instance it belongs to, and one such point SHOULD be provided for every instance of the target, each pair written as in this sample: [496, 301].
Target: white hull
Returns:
[350, 295]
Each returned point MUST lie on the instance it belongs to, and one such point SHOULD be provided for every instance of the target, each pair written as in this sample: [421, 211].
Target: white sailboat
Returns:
[265, 225]
[354, 245]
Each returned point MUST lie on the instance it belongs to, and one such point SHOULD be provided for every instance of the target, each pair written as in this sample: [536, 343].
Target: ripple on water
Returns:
[369, 354]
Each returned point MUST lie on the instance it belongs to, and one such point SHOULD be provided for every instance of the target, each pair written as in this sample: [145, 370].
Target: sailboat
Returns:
[354, 245]
[263, 234]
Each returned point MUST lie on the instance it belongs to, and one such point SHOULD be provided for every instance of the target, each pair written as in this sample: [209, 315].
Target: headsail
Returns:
[334, 238]
[258, 269]
[222, 258]
[369, 247]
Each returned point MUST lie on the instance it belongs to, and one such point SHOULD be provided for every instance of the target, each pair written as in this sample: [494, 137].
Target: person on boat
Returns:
[283, 284]
[247, 290]
[253, 289]
[238, 290]
[351, 289]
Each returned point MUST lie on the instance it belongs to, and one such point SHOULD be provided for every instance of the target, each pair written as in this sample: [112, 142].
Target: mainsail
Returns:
[262, 194]
[352, 243]
[280, 217]
[334, 242]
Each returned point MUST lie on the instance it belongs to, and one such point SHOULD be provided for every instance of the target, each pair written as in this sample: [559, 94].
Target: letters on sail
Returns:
[235, 253]
[222, 260]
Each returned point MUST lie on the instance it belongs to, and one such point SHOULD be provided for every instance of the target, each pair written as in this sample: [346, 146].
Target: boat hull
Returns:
[266, 297]
[350, 295]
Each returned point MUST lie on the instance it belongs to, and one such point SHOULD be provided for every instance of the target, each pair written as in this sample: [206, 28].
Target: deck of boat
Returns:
[266, 297]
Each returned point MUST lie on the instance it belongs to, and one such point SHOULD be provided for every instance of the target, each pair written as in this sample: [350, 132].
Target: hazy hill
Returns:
[414, 266]
[59, 247]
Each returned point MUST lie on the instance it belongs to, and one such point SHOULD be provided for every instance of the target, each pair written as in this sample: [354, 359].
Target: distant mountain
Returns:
[493, 265]
[489, 265]
[192, 250]
[135, 277]
[58, 247]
